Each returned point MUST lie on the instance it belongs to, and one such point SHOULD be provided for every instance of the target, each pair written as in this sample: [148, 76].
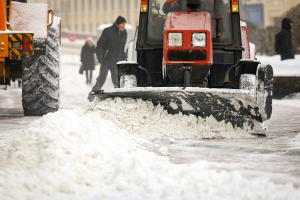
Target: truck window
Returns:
[157, 15]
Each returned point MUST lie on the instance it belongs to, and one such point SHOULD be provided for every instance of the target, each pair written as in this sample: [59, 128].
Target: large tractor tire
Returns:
[40, 81]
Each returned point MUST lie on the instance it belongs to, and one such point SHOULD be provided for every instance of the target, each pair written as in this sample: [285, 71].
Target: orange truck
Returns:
[29, 50]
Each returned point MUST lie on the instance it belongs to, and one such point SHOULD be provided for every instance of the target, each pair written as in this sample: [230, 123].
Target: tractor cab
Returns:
[158, 10]
[190, 45]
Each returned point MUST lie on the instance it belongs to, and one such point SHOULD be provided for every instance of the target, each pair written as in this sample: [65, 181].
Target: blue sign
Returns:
[255, 14]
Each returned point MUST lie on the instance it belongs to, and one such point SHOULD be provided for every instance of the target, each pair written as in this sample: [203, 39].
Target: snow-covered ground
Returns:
[290, 67]
[73, 87]
[104, 150]
[84, 154]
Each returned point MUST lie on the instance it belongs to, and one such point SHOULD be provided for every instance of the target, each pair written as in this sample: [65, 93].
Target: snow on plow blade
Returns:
[235, 106]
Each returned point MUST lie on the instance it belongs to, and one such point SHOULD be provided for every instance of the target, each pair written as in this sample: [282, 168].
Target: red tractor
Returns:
[196, 58]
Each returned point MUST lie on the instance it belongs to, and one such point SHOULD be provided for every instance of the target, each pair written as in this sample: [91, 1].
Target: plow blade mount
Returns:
[235, 106]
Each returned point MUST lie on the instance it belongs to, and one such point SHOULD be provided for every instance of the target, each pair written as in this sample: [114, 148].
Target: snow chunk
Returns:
[163, 151]
[171, 140]
[173, 106]
[297, 138]
[29, 17]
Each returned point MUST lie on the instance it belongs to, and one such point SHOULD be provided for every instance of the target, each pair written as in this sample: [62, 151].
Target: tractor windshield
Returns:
[158, 9]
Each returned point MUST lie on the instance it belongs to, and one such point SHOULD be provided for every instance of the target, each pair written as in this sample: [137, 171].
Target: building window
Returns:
[112, 5]
[83, 28]
[137, 4]
[90, 6]
[105, 6]
[98, 5]
[76, 27]
[69, 8]
[83, 6]
[75, 6]
[55, 8]
[62, 7]
[120, 5]
[128, 5]
[91, 28]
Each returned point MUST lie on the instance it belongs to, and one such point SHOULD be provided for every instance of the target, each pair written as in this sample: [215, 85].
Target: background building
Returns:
[266, 12]
[86, 15]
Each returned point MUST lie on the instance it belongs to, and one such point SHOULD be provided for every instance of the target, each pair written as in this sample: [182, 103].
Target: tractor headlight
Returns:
[199, 40]
[175, 39]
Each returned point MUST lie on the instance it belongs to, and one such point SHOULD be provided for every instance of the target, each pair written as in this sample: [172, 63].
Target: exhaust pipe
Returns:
[2, 16]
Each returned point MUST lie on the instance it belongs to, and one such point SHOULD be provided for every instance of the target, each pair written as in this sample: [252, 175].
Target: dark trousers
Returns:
[103, 74]
[89, 78]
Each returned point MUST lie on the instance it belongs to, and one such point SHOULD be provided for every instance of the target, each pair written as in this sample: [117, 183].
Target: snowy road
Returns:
[276, 156]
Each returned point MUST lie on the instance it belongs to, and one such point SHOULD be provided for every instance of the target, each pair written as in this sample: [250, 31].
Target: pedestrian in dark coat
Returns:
[88, 59]
[283, 40]
[110, 50]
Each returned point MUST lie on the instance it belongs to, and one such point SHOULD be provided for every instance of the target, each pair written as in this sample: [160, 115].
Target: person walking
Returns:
[283, 40]
[109, 51]
[88, 59]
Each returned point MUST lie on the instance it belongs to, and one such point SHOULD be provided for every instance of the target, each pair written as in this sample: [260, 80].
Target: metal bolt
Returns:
[2, 44]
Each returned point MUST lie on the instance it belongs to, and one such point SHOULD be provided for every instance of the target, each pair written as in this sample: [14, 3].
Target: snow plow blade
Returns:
[235, 106]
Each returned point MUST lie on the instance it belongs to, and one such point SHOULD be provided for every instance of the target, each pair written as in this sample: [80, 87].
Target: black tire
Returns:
[40, 79]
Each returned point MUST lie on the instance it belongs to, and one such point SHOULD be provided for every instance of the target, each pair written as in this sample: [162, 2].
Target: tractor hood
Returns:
[188, 39]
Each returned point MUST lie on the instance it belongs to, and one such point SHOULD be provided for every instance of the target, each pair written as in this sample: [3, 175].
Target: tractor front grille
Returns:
[187, 55]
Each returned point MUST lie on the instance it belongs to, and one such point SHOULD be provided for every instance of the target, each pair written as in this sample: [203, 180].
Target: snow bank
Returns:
[81, 154]
[29, 17]
[292, 96]
[295, 103]
[290, 67]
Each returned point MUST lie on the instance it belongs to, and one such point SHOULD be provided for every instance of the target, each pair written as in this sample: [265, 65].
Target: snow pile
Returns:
[29, 17]
[145, 119]
[290, 67]
[81, 154]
